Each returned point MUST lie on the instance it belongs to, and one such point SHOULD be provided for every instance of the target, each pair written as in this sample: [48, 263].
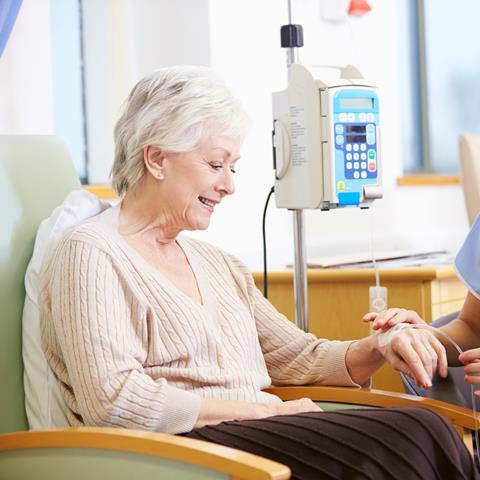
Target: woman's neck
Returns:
[140, 217]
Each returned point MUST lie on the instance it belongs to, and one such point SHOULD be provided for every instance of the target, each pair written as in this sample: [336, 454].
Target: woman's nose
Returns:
[227, 184]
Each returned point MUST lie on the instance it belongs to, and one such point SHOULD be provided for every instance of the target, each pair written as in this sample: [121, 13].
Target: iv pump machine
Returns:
[326, 140]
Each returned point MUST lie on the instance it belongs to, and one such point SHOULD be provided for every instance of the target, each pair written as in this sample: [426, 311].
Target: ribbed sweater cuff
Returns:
[180, 412]
[334, 363]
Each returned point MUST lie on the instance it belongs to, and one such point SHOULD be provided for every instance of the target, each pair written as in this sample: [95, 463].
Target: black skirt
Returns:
[397, 443]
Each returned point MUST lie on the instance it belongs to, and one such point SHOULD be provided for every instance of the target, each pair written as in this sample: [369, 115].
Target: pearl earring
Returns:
[160, 174]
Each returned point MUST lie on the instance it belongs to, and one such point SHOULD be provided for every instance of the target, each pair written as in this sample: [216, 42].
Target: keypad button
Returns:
[339, 139]
[372, 166]
[356, 174]
[363, 117]
[356, 156]
[348, 147]
[348, 156]
[363, 156]
[363, 147]
[351, 117]
[363, 165]
[343, 117]
[372, 154]
[348, 165]
[356, 147]
[356, 165]
[364, 174]
[370, 128]
[370, 117]
[339, 128]
[370, 139]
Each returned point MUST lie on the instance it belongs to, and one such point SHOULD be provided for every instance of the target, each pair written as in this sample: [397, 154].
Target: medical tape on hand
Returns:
[384, 338]
[402, 326]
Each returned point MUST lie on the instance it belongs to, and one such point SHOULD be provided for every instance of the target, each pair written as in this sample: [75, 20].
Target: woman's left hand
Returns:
[417, 353]
[471, 360]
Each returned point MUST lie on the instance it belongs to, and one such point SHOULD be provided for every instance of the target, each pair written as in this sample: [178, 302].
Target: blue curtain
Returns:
[8, 14]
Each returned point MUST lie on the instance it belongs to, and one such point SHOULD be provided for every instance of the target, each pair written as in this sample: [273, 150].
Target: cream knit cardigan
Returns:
[131, 350]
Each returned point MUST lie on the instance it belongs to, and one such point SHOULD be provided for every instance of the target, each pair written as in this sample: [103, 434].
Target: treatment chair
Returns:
[35, 176]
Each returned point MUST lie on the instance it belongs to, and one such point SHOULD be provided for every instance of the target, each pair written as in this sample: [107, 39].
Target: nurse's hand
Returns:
[417, 353]
[471, 360]
[389, 318]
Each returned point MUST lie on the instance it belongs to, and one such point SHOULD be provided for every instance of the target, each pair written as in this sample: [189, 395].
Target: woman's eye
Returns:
[220, 166]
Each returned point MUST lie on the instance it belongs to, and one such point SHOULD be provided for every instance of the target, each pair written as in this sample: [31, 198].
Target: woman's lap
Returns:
[402, 444]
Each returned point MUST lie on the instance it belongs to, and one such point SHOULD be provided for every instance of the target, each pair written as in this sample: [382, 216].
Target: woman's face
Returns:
[196, 182]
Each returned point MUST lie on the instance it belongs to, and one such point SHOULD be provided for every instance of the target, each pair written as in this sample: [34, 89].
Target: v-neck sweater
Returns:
[130, 349]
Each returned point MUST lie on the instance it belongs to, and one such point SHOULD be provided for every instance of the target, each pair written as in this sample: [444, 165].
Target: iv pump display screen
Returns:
[357, 103]
[355, 133]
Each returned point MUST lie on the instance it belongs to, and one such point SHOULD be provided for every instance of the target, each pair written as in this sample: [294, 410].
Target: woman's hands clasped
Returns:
[415, 352]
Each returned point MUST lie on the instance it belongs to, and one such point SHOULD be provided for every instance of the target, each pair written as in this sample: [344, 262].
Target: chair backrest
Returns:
[469, 146]
[36, 174]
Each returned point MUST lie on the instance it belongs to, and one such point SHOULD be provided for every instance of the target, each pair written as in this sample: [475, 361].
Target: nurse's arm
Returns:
[464, 330]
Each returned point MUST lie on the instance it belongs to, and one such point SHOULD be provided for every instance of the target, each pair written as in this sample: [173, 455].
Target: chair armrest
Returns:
[236, 463]
[459, 416]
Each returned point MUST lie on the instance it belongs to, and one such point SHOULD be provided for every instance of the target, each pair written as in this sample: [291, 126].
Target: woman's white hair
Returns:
[172, 109]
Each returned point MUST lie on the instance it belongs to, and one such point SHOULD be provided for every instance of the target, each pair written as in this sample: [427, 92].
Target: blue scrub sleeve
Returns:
[467, 261]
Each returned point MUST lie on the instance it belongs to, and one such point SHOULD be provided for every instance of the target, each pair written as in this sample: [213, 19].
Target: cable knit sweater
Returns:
[130, 349]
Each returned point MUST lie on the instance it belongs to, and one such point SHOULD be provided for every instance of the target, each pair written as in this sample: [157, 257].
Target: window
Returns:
[441, 82]
[69, 111]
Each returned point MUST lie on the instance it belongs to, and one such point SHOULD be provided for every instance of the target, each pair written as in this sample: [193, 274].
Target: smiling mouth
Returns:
[207, 202]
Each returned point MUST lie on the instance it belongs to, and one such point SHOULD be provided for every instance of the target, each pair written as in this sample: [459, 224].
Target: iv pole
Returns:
[292, 39]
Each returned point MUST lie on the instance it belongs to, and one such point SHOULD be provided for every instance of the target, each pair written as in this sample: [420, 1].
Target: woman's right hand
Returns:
[291, 407]
[213, 411]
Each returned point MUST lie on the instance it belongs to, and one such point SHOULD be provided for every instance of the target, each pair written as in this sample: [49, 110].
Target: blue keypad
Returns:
[357, 141]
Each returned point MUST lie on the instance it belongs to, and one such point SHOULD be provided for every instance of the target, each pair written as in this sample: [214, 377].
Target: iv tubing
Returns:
[374, 263]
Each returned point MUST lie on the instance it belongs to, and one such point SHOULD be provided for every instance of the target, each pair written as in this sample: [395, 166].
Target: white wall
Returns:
[245, 48]
[126, 39]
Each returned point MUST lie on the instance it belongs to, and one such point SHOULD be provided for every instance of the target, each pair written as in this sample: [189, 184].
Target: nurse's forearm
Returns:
[363, 359]
[462, 333]
[465, 330]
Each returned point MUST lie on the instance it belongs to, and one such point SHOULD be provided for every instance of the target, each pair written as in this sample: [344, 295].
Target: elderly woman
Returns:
[146, 328]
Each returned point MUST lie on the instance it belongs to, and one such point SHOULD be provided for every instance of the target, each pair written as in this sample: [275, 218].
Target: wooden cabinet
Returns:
[338, 298]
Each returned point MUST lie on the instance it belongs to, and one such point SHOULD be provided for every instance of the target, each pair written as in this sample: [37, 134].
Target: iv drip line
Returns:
[374, 263]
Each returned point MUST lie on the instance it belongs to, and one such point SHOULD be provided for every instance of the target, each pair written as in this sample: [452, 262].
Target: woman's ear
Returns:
[153, 159]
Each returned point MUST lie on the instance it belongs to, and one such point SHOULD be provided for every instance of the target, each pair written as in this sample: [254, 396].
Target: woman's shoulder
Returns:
[88, 235]
[90, 232]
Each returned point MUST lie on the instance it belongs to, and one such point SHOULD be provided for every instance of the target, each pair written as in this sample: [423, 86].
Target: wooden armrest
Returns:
[238, 464]
[459, 416]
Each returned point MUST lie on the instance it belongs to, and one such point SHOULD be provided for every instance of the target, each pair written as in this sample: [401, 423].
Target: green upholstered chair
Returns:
[35, 176]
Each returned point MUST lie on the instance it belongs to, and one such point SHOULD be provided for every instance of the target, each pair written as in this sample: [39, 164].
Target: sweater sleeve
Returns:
[99, 325]
[293, 357]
